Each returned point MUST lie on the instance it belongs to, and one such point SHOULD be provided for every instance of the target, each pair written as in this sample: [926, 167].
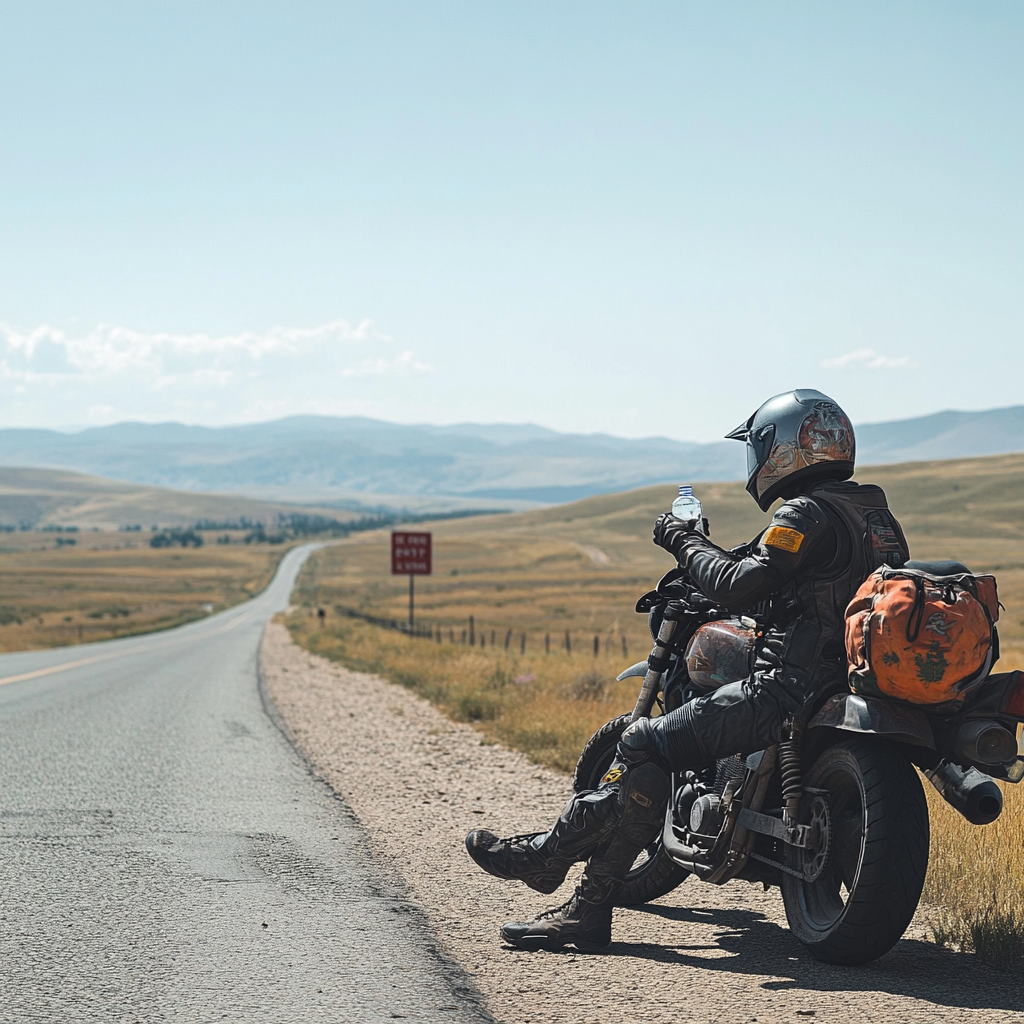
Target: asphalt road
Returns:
[166, 855]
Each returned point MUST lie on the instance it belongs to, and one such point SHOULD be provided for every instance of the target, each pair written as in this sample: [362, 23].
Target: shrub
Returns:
[169, 538]
[588, 685]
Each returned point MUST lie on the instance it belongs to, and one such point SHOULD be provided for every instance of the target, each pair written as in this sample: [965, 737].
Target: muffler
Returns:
[985, 741]
[973, 794]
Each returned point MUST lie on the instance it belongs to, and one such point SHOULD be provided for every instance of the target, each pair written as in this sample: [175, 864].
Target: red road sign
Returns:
[410, 553]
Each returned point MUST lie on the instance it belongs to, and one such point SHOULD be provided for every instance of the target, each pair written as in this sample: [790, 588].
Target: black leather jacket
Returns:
[818, 549]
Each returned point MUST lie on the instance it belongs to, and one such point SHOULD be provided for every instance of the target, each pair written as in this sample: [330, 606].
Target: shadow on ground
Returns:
[756, 946]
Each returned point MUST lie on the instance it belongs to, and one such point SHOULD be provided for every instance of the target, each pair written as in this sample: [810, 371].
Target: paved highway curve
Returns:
[165, 855]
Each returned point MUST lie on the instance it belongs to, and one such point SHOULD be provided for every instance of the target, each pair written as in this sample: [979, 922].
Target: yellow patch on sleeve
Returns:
[783, 537]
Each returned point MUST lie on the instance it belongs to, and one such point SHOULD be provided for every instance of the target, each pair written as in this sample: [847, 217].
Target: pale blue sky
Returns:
[637, 218]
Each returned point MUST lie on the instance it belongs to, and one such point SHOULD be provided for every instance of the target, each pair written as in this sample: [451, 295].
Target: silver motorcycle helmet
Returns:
[792, 440]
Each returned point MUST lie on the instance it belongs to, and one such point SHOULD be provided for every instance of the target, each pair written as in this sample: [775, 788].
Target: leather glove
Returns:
[670, 531]
[770, 652]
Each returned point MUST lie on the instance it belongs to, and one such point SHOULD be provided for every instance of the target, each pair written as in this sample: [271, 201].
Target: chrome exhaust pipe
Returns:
[972, 793]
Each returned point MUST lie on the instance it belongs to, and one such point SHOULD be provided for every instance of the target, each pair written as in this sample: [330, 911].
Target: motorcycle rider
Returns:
[822, 542]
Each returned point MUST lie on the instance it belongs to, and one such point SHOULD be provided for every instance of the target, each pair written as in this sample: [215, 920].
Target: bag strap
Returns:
[914, 629]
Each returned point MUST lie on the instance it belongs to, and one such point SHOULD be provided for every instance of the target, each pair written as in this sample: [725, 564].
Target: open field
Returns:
[580, 567]
[76, 564]
[112, 584]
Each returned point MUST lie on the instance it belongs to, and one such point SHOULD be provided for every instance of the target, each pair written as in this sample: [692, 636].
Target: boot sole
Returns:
[550, 944]
[538, 885]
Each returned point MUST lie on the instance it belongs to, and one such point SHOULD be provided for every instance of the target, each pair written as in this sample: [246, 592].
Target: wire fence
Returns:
[506, 638]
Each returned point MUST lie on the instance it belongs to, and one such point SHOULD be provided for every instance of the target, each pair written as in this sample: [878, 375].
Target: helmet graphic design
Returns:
[796, 437]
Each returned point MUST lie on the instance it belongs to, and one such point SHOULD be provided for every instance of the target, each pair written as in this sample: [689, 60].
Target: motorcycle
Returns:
[835, 813]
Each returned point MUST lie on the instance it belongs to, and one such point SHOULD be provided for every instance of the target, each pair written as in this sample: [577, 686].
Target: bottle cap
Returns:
[685, 491]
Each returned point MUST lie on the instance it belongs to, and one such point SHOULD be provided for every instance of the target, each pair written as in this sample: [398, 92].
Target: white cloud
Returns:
[868, 359]
[403, 363]
[163, 360]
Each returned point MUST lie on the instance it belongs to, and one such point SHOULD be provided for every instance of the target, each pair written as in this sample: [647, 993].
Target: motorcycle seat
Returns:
[938, 568]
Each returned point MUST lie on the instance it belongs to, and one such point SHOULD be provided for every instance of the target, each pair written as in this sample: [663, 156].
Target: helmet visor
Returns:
[759, 447]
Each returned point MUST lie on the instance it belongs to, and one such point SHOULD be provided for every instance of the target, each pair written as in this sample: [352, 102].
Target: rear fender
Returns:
[992, 696]
[852, 712]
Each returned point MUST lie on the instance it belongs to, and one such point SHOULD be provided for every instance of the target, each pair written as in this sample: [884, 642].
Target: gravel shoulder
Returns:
[417, 782]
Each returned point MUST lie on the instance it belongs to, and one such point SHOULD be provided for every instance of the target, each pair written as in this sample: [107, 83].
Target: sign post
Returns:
[411, 554]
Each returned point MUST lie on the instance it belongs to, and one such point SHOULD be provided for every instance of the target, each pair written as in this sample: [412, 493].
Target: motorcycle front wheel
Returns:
[654, 873]
[863, 870]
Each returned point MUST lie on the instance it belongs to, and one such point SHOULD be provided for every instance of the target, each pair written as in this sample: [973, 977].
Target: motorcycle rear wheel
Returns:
[869, 860]
[654, 873]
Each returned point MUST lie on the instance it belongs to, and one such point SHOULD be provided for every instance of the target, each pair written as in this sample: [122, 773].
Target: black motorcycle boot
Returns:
[542, 859]
[583, 921]
[527, 858]
[587, 822]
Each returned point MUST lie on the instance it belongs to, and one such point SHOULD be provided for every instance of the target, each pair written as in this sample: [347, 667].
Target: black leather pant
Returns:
[609, 826]
[738, 718]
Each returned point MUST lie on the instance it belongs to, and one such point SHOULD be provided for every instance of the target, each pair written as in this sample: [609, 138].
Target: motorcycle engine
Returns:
[698, 804]
[706, 815]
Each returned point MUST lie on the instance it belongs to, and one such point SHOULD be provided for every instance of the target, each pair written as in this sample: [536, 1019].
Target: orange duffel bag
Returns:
[921, 638]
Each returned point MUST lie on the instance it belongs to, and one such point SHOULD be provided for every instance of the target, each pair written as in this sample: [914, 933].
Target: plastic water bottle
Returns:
[686, 506]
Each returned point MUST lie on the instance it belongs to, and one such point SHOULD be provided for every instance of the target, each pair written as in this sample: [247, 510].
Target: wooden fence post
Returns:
[547, 643]
[597, 646]
[625, 647]
[522, 643]
[568, 643]
[472, 632]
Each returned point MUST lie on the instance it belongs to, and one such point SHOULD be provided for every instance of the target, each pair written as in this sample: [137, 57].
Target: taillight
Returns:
[1013, 702]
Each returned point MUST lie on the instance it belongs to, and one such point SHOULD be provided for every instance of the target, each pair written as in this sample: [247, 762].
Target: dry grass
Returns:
[580, 568]
[545, 706]
[976, 880]
[115, 584]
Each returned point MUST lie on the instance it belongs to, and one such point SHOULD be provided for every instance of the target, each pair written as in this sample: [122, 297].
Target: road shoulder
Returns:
[418, 782]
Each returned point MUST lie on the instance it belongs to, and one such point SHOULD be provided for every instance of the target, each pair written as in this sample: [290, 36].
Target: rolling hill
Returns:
[43, 497]
[354, 460]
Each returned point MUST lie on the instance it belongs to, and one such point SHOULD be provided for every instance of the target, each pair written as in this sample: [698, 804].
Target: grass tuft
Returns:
[975, 880]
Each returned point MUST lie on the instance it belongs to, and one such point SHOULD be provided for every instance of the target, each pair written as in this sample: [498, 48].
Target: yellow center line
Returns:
[231, 625]
[67, 665]
[39, 672]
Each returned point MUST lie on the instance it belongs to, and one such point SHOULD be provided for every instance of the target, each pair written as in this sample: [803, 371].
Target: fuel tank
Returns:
[720, 652]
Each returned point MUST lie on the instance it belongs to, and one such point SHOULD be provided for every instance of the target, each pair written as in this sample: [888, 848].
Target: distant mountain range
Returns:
[355, 461]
